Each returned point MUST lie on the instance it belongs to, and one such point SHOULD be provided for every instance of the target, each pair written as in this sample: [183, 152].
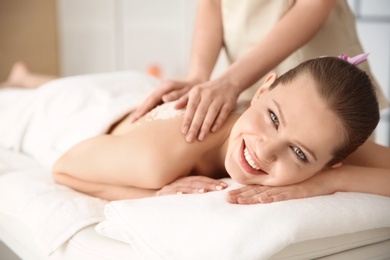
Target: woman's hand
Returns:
[208, 106]
[254, 194]
[192, 185]
[168, 90]
[321, 184]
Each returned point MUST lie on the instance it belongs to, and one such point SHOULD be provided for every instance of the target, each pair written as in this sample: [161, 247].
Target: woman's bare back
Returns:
[147, 154]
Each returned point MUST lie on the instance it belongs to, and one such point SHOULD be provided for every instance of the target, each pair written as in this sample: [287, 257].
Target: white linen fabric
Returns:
[47, 121]
[52, 212]
[206, 226]
[44, 123]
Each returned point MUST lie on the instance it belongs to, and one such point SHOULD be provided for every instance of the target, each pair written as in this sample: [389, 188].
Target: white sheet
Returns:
[207, 227]
[47, 121]
[52, 212]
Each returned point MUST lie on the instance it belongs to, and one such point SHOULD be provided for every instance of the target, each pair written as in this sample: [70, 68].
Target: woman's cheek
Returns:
[287, 173]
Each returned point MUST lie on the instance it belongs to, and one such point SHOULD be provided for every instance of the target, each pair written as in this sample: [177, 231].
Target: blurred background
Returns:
[70, 37]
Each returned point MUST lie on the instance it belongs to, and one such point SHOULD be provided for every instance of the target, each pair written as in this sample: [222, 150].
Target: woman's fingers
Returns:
[254, 194]
[192, 185]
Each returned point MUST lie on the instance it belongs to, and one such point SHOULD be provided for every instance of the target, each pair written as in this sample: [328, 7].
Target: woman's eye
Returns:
[274, 118]
[301, 155]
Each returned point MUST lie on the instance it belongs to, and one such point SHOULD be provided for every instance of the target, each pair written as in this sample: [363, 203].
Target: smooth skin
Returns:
[209, 102]
[20, 76]
[285, 147]
[366, 170]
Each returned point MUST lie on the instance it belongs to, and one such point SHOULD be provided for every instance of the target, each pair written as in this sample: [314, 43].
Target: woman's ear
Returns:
[265, 86]
[336, 165]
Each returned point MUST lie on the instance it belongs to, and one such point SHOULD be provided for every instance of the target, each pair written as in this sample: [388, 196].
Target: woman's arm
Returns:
[142, 158]
[367, 170]
[103, 191]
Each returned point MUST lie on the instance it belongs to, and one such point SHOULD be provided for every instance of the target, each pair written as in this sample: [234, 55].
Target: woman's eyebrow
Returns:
[283, 122]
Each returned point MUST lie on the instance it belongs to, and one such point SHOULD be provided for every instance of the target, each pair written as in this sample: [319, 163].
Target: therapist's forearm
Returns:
[207, 40]
[289, 34]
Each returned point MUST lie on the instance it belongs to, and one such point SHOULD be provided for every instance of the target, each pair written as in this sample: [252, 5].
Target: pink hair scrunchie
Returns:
[356, 60]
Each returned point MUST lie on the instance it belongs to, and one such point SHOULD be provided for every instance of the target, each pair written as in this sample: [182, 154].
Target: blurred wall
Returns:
[109, 35]
[28, 31]
[373, 24]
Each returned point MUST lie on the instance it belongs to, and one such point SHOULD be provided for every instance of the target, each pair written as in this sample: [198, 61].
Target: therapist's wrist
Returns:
[231, 83]
[198, 76]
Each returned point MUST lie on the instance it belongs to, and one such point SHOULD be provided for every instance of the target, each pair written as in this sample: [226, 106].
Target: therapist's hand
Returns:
[208, 105]
[192, 185]
[168, 90]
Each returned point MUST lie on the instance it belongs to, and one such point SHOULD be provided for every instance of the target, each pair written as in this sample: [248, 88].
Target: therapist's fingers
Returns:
[223, 114]
[192, 107]
[151, 102]
[176, 94]
[181, 102]
[156, 97]
[208, 107]
[211, 114]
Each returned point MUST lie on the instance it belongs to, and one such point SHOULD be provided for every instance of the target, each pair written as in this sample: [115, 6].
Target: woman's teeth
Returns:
[250, 160]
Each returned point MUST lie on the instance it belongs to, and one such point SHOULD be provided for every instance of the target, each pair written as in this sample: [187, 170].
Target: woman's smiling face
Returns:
[286, 136]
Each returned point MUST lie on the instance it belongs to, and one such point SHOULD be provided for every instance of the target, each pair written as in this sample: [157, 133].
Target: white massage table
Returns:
[43, 220]
[88, 244]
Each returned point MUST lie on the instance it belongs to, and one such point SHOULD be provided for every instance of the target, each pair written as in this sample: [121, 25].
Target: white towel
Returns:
[47, 121]
[52, 212]
[206, 226]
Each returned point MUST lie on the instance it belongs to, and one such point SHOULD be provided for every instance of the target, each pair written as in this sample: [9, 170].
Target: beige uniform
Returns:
[246, 22]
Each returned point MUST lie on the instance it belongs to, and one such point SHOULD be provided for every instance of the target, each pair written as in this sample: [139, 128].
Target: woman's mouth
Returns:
[250, 160]
[247, 161]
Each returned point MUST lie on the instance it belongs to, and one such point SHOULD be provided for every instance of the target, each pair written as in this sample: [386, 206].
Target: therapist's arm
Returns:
[209, 104]
[206, 46]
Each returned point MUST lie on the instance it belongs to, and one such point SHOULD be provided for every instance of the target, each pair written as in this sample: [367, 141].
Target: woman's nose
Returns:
[267, 149]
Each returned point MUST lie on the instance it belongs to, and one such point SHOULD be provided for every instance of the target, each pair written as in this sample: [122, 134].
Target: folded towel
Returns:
[53, 213]
[206, 226]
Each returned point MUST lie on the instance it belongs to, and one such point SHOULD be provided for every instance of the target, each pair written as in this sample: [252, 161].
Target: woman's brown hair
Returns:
[348, 92]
